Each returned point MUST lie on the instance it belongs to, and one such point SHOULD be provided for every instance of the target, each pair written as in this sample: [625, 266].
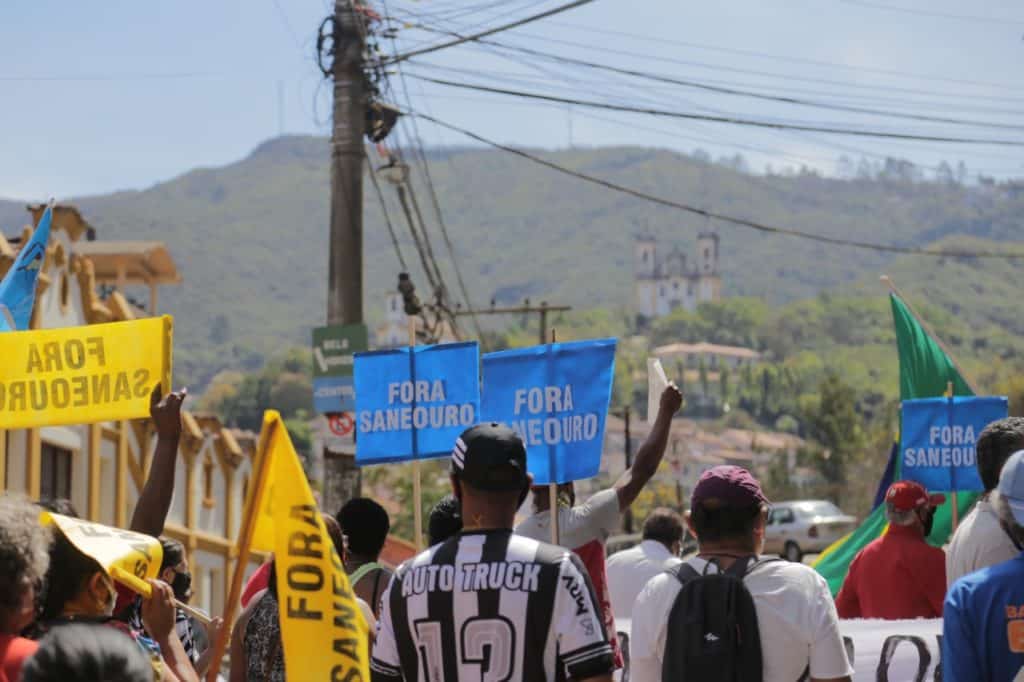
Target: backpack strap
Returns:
[358, 574]
[752, 563]
[684, 573]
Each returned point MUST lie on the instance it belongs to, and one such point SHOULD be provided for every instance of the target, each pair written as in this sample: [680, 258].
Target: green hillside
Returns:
[251, 238]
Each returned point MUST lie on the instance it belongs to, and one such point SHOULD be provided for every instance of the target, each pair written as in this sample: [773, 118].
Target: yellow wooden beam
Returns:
[95, 471]
[140, 427]
[190, 488]
[34, 463]
[121, 477]
[3, 460]
[136, 463]
[229, 502]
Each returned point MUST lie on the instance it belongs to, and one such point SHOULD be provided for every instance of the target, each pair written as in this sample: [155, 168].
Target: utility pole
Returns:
[345, 250]
[526, 309]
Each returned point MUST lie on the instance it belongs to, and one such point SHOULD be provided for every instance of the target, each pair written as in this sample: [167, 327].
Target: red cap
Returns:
[731, 486]
[910, 495]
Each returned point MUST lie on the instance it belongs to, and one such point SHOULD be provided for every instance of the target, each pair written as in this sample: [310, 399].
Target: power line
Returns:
[838, 241]
[784, 58]
[384, 210]
[734, 120]
[108, 77]
[744, 93]
[425, 166]
[929, 13]
[719, 68]
[491, 31]
[287, 24]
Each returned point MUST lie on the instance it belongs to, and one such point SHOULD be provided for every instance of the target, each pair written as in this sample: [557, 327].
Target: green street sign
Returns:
[333, 347]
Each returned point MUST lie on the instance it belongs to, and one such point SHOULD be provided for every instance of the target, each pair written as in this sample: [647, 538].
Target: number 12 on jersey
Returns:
[489, 644]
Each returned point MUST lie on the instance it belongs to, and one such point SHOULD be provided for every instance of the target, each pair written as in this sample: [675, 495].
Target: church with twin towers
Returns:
[664, 282]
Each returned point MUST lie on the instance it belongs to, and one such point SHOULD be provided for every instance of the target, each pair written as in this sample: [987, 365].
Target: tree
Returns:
[220, 330]
[702, 370]
[723, 383]
[834, 423]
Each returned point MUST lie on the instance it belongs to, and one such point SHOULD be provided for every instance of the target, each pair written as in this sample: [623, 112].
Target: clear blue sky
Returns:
[96, 97]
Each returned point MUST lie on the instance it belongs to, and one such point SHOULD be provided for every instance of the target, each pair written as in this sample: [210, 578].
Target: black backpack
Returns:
[712, 628]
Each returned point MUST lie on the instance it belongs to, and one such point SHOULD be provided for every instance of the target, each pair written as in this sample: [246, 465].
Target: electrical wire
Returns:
[108, 77]
[785, 58]
[929, 13]
[384, 211]
[734, 120]
[760, 227]
[425, 168]
[745, 93]
[488, 32]
[605, 49]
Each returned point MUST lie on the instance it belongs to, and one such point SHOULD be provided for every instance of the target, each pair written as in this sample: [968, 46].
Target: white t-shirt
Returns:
[796, 619]
[979, 541]
[583, 529]
[630, 569]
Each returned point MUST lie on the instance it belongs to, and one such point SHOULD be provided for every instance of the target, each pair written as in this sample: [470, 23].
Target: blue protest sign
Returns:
[556, 398]
[412, 403]
[938, 439]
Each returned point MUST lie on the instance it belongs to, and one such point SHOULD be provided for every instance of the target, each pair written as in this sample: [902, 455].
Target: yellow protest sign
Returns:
[322, 628]
[79, 375]
[114, 549]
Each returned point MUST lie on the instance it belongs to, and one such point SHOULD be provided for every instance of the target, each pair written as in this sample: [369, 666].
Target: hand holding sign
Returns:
[166, 412]
[159, 611]
[671, 400]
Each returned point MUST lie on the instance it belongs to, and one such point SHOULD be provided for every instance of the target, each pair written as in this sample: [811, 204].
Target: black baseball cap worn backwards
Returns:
[491, 457]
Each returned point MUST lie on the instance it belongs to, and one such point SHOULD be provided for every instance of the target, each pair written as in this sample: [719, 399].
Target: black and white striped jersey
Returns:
[494, 607]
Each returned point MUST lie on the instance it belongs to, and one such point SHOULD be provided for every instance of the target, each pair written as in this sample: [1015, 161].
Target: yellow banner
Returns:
[80, 375]
[114, 549]
[323, 631]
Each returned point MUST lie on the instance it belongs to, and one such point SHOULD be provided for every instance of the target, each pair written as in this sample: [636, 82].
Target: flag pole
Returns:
[553, 486]
[931, 332]
[249, 516]
[955, 509]
[417, 487]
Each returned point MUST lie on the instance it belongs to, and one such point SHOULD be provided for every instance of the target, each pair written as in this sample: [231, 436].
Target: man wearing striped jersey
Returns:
[487, 604]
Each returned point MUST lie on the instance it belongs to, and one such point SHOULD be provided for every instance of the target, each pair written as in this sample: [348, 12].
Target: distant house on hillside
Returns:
[394, 331]
[713, 355]
[663, 284]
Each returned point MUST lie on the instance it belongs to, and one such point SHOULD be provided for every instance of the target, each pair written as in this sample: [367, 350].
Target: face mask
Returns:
[928, 521]
[107, 609]
[181, 585]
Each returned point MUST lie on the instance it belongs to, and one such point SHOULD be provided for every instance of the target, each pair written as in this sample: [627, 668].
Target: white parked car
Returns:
[805, 527]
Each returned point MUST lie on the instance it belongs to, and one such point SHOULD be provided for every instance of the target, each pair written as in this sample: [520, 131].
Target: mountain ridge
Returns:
[249, 237]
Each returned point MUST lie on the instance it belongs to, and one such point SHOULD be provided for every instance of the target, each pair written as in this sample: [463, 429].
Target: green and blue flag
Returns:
[926, 371]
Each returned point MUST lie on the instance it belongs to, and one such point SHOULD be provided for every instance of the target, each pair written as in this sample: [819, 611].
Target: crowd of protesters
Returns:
[518, 608]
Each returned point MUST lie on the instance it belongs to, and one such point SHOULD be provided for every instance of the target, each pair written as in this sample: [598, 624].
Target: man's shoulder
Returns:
[793, 575]
[933, 555]
[541, 552]
[975, 586]
[661, 589]
[626, 556]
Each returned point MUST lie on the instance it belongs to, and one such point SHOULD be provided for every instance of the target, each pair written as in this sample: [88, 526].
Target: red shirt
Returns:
[14, 651]
[897, 576]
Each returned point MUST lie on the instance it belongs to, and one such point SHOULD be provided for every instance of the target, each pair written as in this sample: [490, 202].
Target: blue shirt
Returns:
[983, 625]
